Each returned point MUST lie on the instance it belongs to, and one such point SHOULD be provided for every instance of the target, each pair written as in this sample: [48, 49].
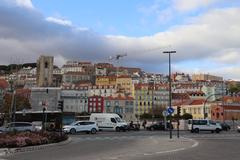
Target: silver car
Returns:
[81, 126]
[18, 126]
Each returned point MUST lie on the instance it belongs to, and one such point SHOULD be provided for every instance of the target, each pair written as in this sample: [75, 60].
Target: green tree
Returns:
[234, 88]
[186, 116]
[146, 116]
[21, 103]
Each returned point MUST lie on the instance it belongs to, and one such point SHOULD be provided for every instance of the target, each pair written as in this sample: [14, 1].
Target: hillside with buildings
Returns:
[87, 88]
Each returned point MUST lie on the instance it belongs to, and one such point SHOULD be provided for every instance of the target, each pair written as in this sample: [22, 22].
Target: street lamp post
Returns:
[170, 88]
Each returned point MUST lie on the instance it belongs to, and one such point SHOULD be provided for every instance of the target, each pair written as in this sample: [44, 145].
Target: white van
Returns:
[196, 125]
[109, 121]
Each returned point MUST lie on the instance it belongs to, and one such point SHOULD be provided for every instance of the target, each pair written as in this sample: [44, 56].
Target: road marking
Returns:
[175, 150]
[113, 158]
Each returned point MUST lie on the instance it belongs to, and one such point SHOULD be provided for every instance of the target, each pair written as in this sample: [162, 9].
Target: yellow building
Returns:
[124, 84]
[143, 98]
[195, 108]
[105, 80]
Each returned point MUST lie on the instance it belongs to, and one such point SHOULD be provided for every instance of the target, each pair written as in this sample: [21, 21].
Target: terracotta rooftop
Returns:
[3, 84]
[119, 97]
[197, 102]
[180, 96]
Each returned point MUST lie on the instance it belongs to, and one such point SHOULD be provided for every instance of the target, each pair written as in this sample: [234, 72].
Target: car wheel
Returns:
[93, 131]
[217, 130]
[117, 129]
[212, 131]
[73, 131]
[196, 130]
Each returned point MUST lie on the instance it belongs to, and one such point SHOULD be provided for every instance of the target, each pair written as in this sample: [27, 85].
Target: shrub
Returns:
[22, 139]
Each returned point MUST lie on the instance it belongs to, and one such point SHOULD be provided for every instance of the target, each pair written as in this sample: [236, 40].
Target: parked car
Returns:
[37, 125]
[81, 126]
[197, 125]
[238, 129]
[225, 126]
[18, 126]
[158, 126]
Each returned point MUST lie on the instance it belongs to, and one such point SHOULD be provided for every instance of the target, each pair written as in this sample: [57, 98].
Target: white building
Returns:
[102, 90]
[75, 100]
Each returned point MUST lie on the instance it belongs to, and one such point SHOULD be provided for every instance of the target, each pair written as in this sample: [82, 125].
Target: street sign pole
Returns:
[165, 113]
[170, 126]
[170, 110]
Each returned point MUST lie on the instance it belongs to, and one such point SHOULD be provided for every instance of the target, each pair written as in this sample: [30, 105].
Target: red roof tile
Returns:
[3, 84]
[119, 97]
[197, 102]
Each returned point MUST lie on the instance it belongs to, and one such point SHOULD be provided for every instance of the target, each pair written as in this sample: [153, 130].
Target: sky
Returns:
[204, 33]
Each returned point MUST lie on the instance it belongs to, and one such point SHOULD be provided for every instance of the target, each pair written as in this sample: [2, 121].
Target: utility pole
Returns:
[170, 89]
[223, 102]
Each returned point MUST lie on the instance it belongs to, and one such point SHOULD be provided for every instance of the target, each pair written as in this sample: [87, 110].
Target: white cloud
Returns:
[60, 21]
[228, 56]
[189, 5]
[207, 37]
[25, 3]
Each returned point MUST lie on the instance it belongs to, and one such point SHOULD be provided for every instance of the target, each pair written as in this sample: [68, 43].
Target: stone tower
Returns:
[45, 71]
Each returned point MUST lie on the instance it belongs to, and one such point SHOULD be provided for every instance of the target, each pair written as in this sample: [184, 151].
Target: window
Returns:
[113, 120]
[46, 64]
[82, 123]
[211, 122]
[202, 122]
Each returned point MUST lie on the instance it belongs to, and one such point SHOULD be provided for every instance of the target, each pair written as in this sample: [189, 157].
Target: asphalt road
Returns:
[140, 146]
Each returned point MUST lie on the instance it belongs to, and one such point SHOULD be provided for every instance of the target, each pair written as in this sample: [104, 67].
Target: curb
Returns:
[10, 151]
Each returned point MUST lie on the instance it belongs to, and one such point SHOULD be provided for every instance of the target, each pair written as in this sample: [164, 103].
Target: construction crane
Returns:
[116, 57]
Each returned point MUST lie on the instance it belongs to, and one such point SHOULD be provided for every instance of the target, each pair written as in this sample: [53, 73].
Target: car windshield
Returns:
[119, 119]
[72, 124]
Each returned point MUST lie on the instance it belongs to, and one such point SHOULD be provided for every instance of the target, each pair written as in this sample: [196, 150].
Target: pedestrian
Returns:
[144, 124]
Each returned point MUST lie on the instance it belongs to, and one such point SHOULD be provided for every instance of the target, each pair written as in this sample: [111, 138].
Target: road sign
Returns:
[170, 110]
[164, 113]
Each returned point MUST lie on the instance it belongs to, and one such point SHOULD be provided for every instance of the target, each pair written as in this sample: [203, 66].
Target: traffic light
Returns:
[179, 110]
[60, 105]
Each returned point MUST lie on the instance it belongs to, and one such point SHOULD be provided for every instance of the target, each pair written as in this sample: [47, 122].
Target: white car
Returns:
[238, 129]
[197, 125]
[18, 126]
[81, 126]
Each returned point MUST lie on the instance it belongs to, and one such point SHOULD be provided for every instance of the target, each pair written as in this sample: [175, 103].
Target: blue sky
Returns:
[205, 33]
[124, 17]
[104, 17]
